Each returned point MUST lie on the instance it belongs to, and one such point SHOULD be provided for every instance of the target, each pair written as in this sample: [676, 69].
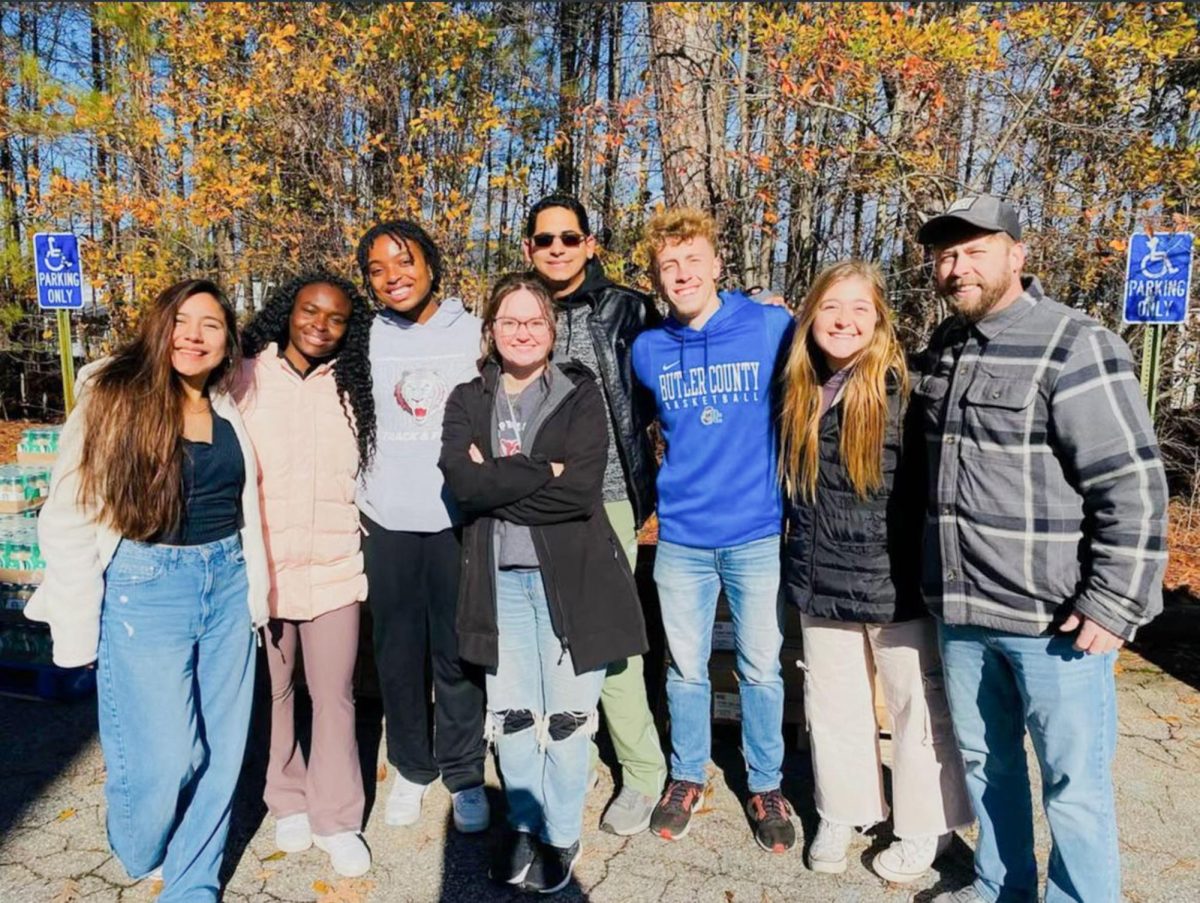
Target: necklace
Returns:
[512, 418]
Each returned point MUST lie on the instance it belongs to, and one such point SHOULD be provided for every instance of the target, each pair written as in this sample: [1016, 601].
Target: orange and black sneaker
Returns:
[673, 815]
[772, 818]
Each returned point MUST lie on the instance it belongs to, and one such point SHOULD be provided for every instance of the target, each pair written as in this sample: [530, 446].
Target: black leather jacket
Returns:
[618, 316]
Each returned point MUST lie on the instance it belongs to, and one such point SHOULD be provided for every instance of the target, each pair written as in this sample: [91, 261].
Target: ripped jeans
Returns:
[842, 660]
[540, 714]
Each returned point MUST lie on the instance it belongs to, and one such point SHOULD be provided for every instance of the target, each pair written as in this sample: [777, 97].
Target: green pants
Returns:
[623, 698]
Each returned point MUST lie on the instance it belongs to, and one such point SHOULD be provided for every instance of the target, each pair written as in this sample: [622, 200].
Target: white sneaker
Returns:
[909, 858]
[472, 813]
[348, 853]
[404, 802]
[292, 833]
[828, 851]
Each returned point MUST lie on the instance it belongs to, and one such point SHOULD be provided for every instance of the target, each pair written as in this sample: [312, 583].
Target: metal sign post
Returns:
[60, 288]
[1151, 365]
[1158, 280]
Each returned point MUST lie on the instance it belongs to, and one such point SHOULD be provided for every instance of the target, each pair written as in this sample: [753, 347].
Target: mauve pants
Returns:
[329, 786]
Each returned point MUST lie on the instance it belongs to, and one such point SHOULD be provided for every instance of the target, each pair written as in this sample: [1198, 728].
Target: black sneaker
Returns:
[772, 818]
[673, 815]
[551, 870]
[512, 861]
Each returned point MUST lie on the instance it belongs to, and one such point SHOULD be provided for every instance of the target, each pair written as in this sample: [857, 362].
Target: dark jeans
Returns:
[413, 580]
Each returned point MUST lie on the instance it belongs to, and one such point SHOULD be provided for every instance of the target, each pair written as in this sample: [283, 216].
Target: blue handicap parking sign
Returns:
[59, 271]
[1158, 277]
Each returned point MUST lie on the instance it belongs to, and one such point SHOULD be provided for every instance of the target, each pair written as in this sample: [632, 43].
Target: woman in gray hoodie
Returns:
[421, 348]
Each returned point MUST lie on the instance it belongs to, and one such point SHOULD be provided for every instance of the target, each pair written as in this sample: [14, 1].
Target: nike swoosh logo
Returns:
[670, 366]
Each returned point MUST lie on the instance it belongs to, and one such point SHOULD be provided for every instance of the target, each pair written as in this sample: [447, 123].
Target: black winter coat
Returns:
[852, 559]
[593, 599]
[619, 315]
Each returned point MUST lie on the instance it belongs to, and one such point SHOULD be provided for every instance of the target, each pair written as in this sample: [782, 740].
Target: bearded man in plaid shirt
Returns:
[1045, 546]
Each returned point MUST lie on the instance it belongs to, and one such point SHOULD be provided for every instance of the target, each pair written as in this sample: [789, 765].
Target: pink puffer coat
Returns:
[307, 460]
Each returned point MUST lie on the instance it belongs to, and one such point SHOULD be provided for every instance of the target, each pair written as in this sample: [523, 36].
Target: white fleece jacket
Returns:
[78, 547]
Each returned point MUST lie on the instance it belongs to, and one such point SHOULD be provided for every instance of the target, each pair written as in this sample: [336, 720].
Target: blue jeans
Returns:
[540, 714]
[999, 685]
[176, 681]
[689, 582]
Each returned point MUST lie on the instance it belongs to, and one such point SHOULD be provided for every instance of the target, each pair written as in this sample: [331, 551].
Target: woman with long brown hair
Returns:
[853, 526]
[156, 571]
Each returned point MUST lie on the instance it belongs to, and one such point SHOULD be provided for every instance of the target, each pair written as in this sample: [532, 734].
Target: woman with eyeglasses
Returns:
[421, 347]
[548, 599]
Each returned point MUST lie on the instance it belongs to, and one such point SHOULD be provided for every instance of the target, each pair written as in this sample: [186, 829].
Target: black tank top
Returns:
[213, 476]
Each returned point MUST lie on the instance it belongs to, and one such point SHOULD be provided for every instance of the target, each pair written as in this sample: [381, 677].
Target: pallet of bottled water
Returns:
[21, 559]
[39, 445]
[23, 487]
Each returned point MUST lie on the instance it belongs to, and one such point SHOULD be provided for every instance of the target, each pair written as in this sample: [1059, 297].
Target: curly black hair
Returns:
[352, 365]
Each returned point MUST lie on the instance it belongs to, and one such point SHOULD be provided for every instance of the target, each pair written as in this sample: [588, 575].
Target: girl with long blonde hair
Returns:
[853, 523]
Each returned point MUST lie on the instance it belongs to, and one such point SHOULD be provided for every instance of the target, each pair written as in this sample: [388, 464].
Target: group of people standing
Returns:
[981, 525]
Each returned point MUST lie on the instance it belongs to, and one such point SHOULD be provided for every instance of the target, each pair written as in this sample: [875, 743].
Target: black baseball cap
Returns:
[981, 211]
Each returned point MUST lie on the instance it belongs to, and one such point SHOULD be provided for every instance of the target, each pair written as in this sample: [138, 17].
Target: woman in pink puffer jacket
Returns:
[305, 395]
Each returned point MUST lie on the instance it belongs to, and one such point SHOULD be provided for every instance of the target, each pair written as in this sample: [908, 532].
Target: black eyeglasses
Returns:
[546, 239]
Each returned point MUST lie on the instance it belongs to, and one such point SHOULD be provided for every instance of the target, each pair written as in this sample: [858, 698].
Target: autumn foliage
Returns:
[248, 140]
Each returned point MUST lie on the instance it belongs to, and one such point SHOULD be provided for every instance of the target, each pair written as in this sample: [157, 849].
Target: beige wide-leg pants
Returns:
[841, 659]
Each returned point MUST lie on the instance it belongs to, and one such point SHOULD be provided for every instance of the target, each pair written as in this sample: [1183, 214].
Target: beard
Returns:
[975, 309]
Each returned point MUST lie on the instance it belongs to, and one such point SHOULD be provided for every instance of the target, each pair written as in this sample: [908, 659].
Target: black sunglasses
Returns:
[546, 239]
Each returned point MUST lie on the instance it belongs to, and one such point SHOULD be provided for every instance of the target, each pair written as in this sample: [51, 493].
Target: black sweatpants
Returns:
[413, 584]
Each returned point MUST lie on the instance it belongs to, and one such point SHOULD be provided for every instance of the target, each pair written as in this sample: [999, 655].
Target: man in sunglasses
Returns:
[597, 321]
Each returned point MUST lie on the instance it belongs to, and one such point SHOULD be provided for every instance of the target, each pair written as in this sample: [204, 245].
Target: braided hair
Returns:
[352, 365]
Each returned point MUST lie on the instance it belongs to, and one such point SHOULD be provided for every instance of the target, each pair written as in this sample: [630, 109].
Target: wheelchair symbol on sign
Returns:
[1156, 263]
[54, 260]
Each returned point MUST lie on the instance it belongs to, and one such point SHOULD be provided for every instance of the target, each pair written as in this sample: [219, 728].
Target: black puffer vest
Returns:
[852, 559]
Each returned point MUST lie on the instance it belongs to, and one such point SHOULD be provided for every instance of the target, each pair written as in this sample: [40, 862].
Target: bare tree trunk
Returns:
[739, 229]
[31, 163]
[612, 146]
[690, 95]
[567, 179]
[377, 124]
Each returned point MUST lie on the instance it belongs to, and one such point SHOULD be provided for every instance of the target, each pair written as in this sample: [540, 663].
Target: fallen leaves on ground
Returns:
[1183, 545]
[350, 890]
[69, 892]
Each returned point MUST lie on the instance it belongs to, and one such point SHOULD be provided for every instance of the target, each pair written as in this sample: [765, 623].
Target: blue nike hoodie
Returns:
[717, 486]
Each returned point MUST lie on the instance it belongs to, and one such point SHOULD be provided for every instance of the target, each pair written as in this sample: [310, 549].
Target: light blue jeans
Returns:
[999, 685]
[689, 582]
[540, 714]
[175, 686]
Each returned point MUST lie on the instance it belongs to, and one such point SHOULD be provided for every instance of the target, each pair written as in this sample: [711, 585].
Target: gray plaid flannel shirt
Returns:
[1046, 490]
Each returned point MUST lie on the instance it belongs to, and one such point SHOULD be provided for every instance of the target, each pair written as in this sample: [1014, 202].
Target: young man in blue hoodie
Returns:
[709, 368]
